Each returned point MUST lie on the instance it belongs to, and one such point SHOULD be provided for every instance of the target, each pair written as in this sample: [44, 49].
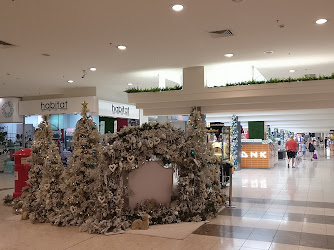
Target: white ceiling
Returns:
[79, 34]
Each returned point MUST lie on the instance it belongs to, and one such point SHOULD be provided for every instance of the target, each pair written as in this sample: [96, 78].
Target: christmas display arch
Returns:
[195, 197]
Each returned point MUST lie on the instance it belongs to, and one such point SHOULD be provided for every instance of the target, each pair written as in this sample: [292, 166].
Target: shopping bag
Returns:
[315, 156]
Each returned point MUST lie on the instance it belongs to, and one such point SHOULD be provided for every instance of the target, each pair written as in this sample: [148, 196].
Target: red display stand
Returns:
[22, 167]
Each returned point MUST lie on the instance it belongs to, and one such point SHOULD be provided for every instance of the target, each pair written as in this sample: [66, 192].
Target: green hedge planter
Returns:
[271, 80]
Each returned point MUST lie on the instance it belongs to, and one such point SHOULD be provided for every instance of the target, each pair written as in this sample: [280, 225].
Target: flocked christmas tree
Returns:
[31, 201]
[80, 189]
[50, 194]
[199, 181]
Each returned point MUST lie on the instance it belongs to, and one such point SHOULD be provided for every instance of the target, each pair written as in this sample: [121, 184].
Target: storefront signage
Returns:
[262, 155]
[53, 105]
[118, 110]
[58, 106]
[251, 140]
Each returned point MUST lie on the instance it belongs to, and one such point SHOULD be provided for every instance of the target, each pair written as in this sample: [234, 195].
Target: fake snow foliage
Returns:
[95, 184]
[81, 178]
[234, 142]
[50, 192]
[41, 199]
[199, 174]
[128, 150]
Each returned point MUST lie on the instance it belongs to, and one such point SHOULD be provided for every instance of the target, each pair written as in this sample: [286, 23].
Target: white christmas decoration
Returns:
[92, 192]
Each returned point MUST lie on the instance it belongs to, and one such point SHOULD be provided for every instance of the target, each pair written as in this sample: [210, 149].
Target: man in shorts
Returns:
[291, 147]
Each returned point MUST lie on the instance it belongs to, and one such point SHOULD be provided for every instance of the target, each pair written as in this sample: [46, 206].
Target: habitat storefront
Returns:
[64, 114]
[114, 116]
[12, 134]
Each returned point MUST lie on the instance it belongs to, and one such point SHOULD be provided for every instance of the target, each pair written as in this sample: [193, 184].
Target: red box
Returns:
[22, 167]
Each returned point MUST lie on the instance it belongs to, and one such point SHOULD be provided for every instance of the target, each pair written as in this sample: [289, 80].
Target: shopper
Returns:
[311, 149]
[326, 139]
[303, 149]
[291, 147]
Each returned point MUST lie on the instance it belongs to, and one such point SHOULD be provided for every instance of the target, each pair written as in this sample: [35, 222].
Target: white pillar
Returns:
[142, 119]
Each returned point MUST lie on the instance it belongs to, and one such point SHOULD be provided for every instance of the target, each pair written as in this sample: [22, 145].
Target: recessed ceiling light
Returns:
[92, 69]
[70, 81]
[130, 84]
[269, 52]
[229, 55]
[177, 7]
[321, 21]
[292, 70]
[121, 47]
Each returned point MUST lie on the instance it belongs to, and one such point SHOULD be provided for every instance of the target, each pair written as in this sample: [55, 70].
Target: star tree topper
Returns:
[84, 105]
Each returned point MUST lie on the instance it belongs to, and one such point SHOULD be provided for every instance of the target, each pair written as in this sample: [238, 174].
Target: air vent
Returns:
[221, 33]
[4, 45]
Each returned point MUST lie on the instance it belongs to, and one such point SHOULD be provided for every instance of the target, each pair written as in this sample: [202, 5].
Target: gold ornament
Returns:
[84, 105]
[112, 167]
[150, 143]
[73, 209]
[156, 140]
[130, 158]
[101, 199]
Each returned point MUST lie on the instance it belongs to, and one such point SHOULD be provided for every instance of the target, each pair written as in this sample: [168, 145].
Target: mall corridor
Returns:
[276, 208]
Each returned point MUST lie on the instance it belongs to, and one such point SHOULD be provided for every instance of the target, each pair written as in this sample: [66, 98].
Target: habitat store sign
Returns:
[118, 110]
[58, 106]
[9, 110]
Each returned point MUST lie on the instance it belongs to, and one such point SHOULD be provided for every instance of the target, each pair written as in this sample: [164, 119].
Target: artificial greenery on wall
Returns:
[271, 80]
[277, 80]
[136, 90]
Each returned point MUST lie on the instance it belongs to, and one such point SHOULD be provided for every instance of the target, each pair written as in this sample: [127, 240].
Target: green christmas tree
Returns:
[199, 181]
[80, 188]
[31, 201]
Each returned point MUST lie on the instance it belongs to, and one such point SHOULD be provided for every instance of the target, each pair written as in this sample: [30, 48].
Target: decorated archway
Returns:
[195, 196]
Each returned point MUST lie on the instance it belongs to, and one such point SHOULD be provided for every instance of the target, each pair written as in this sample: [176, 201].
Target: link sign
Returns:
[262, 155]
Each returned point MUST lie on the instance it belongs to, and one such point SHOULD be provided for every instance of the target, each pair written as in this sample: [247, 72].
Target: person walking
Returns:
[291, 147]
[311, 149]
[303, 149]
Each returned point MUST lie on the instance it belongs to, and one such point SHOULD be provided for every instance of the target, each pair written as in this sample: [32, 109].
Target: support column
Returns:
[193, 79]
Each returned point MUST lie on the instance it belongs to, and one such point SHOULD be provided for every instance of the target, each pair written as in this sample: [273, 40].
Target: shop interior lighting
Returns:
[130, 84]
[229, 55]
[177, 7]
[269, 52]
[70, 81]
[121, 47]
[292, 70]
[92, 69]
[321, 21]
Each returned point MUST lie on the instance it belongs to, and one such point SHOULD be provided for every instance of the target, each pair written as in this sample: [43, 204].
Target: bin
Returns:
[22, 165]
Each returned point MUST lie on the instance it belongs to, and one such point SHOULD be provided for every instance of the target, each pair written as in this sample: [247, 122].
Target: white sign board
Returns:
[9, 110]
[252, 140]
[58, 106]
[26, 160]
[118, 110]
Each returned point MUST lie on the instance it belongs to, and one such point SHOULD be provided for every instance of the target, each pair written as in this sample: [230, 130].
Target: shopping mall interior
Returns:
[167, 124]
